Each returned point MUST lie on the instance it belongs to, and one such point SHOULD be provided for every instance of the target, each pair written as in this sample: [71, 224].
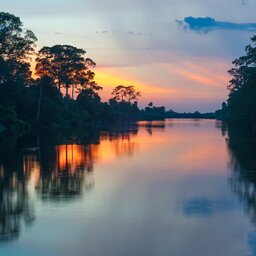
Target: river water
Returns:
[178, 187]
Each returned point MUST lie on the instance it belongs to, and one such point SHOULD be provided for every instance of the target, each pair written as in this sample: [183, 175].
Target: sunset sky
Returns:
[174, 60]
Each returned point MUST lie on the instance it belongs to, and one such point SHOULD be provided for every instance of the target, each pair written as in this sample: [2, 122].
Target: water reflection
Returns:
[143, 190]
[15, 203]
[205, 207]
[243, 165]
[153, 125]
[241, 144]
[64, 173]
[59, 173]
[15, 207]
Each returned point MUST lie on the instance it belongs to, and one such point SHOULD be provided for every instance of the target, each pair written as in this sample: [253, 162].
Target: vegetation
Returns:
[26, 101]
[241, 145]
[240, 109]
[67, 67]
[64, 92]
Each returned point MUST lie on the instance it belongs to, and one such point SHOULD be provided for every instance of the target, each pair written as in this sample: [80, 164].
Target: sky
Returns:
[176, 52]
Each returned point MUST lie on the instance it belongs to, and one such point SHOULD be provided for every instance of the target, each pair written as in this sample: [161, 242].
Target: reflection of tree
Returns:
[243, 163]
[61, 186]
[222, 126]
[153, 125]
[243, 177]
[15, 203]
[59, 173]
[122, 140]
[63, 172]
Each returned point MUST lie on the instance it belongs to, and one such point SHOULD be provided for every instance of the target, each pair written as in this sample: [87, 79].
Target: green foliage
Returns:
[73, 114]
[89, 101]
[122, 111]
[40, 102]
[242, 98]
[51, 101]
[8, 118]
[154, 113]
[16, 47]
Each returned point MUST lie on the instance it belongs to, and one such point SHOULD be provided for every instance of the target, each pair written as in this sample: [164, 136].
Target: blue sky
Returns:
[139, 42]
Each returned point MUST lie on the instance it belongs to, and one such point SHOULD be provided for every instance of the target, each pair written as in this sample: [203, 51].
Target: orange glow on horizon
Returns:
[109, 79]
[179, 82]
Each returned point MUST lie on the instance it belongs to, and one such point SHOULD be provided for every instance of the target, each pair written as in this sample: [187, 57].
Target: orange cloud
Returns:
[203, 72]
[198, 78]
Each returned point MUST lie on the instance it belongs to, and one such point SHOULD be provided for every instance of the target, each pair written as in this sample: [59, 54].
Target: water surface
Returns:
[177, 187]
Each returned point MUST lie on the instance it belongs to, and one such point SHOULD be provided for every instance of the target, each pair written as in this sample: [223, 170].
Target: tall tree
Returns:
[16, 47]
[242, 97]
[68, 67]
[125, 94]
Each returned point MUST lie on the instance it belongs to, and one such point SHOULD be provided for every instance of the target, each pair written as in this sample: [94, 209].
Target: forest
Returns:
[62, 91]
[240, 108]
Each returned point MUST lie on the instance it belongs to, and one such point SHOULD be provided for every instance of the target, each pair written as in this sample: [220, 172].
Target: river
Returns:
[178, 187]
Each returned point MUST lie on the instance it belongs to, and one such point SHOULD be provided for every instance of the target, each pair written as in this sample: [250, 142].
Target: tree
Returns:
[125, 94]
[16, 47]
[90, 101]
[242, 97]
[49, 99]
[67, 66]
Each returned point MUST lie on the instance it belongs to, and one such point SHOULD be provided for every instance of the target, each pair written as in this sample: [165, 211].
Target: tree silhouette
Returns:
[90, 101]
[25, 101]
[150, 104]
[241, 145]
[67, 66]
[242, 97]
[125, 93]
[16, 47]
[16, 205]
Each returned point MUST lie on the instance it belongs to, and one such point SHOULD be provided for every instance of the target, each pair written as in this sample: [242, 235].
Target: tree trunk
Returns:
[39, 103]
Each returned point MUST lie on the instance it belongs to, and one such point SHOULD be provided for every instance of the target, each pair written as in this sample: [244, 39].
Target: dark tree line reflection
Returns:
[63, 170]
[59, 167]
[242, 146]
[15, 203]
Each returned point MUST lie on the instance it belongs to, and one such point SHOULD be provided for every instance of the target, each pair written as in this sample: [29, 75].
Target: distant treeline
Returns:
[62, 93]
[196, 115]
